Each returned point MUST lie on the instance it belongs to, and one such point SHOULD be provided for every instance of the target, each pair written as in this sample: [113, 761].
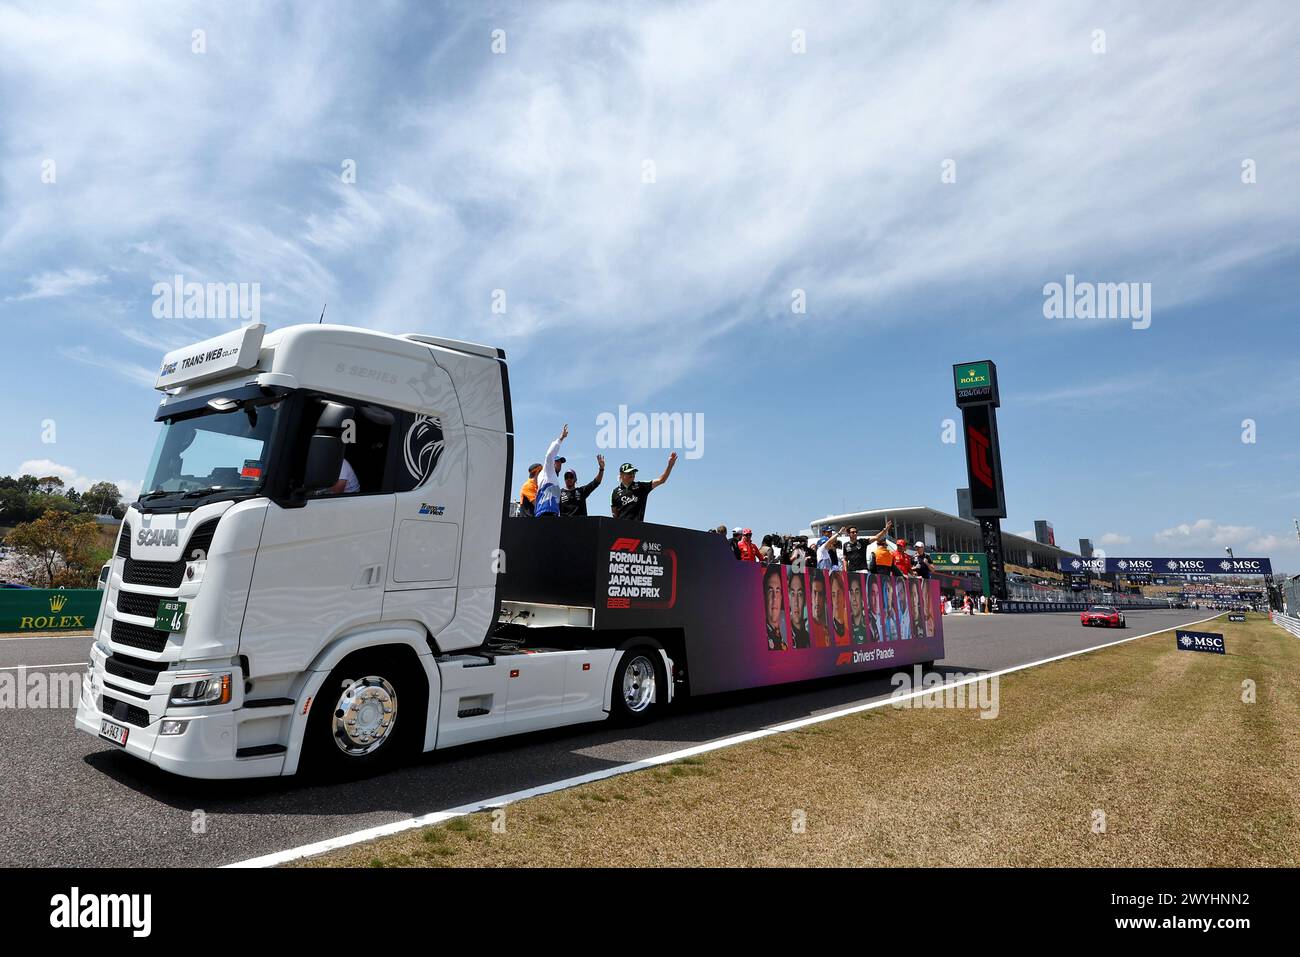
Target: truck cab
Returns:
[314, 555]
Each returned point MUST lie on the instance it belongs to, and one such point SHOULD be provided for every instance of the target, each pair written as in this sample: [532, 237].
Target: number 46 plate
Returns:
[171, 616]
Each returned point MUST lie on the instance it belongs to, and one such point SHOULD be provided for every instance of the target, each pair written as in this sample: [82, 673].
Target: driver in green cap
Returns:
[629, 495]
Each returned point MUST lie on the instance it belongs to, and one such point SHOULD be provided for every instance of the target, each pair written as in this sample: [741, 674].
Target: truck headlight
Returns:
[89, 687]
[90, 682]
[203, 689]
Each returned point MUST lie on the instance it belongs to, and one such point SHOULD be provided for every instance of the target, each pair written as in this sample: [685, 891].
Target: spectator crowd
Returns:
[833, 550]
[550, 493]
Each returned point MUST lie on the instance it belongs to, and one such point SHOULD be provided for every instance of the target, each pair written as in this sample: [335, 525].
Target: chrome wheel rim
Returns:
[638, 684]
[364, 715]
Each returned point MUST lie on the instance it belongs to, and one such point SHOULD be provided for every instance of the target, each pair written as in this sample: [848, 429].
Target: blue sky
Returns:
[774, 171]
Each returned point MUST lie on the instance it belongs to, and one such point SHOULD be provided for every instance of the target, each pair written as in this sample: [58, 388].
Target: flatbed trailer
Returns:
[683, 591]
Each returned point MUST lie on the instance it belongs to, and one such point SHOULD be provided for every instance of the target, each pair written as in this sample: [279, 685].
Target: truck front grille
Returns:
[164, 574]
[134, 669]
[201, 540]
[133, 603]
[138, 636]
[153, 574]
[121, 711]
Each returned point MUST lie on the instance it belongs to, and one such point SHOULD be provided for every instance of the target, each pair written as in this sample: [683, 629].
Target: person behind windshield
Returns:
[347, 482]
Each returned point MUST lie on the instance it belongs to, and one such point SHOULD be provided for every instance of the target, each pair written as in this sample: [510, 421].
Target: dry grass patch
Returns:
[1160, 741]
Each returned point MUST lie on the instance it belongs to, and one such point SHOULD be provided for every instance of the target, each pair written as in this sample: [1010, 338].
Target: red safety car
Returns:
[1104, 615]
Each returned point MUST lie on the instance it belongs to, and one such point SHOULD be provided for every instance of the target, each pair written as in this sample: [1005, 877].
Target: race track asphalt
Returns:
[69, 800]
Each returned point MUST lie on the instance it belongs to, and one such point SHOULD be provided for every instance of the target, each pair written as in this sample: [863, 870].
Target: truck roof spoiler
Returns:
[457, 345]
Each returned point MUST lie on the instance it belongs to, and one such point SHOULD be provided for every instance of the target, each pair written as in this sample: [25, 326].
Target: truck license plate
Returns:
[171, 616]
[113, 732]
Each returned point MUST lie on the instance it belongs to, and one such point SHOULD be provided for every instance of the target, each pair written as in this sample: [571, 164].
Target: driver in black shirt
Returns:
[856, 551]
[573, 498]
[921, 565]
[629, 496]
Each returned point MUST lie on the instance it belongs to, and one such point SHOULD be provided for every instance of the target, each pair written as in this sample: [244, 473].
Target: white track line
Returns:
[61, 664]
[52, 635]
[437, 817]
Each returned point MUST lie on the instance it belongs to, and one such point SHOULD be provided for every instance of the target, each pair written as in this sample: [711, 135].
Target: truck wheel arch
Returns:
[410, 644]
[670, 641]
[616, 661]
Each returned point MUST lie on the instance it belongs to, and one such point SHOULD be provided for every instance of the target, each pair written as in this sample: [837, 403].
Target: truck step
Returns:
[260, 751]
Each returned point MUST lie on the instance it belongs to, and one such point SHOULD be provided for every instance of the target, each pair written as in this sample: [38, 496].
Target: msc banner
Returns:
[41, 609]
[1206, 641]
[1176, 566]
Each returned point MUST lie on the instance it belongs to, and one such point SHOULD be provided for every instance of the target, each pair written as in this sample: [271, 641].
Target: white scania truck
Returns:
[320, 572]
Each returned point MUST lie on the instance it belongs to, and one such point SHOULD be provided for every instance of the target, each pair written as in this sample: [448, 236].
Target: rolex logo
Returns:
[57, 602]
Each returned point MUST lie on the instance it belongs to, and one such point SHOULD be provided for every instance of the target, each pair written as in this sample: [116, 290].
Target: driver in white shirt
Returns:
[347, 481]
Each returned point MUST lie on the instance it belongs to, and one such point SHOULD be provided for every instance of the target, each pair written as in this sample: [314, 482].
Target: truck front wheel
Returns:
[363, 717]
[639, 686]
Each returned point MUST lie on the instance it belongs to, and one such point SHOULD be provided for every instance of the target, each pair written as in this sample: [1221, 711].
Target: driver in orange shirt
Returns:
[528, 491]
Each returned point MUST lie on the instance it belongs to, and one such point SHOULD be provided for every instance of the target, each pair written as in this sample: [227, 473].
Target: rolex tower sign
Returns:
[976, 388]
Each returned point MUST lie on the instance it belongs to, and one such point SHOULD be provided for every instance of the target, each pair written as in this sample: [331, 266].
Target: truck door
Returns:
[429, 468]
[321, 567]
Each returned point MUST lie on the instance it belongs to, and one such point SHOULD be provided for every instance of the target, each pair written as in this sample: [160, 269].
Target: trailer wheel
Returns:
[640, 686]
[364, 718]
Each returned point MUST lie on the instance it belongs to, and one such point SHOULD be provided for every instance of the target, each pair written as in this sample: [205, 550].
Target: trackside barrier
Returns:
[49, 609]
[1286, 621]
[1034, 606]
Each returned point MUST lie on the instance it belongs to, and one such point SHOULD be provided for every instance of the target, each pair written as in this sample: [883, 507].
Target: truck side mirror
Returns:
[325, 451]
[334, 417]
[324, 459]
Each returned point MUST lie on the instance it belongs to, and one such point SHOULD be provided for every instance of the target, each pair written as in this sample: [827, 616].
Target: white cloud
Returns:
[524, 172]
[72, 478]
[1113, 538]
[1096, 393]
[50, 285]
[131, 371]
[1206, 532]
[43, 467]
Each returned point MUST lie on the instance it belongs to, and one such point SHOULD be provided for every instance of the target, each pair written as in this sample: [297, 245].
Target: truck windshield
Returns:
[222, 450]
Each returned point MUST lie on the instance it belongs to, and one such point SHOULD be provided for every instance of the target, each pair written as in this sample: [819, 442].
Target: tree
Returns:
[62, 547]
[101, 498]
[50, 485]
[16, 506]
